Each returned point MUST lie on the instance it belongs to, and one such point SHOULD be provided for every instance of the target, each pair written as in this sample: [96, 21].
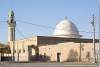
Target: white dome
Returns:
[66, 29]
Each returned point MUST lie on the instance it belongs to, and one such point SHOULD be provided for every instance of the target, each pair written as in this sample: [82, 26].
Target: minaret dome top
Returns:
[11, 13]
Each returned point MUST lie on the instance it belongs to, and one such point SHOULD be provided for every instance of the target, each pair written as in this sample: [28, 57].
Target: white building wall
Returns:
[21, 48]
[63, 48]
[51, 50]
[88, 47]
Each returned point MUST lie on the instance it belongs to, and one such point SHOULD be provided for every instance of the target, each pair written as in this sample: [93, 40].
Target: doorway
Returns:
[58, 56]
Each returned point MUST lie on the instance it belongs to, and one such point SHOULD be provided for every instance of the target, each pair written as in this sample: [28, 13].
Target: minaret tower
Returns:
[11, 26]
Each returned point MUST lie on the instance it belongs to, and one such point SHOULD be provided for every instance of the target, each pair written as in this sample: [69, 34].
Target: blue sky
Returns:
[47, 13]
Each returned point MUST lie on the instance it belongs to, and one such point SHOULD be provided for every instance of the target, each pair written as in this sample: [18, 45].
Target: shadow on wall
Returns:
[72, 56]
[42, 58]
[6, 58]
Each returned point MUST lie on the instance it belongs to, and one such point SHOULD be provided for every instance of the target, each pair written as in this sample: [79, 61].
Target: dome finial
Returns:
[65, 18]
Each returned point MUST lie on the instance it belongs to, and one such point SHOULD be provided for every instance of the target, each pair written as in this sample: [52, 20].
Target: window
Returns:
[19, 51]
[15, 51]
[82, 49]
[49, 48]
[44, 54]
[23, 50]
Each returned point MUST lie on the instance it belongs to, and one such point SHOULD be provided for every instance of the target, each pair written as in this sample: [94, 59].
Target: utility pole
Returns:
[93, 25]
[99, 33]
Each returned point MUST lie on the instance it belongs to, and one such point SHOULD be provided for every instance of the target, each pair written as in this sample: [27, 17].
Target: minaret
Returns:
[11, 26]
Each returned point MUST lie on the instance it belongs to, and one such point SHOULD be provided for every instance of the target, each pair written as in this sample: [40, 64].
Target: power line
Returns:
[3, 21]
[18, 30]
[43, 26]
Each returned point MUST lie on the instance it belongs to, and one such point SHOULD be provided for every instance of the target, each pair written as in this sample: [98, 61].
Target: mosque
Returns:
[66, 45]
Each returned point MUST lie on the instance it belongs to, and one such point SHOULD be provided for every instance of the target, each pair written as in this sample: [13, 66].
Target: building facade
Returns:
[55, 48]
[66, 45]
